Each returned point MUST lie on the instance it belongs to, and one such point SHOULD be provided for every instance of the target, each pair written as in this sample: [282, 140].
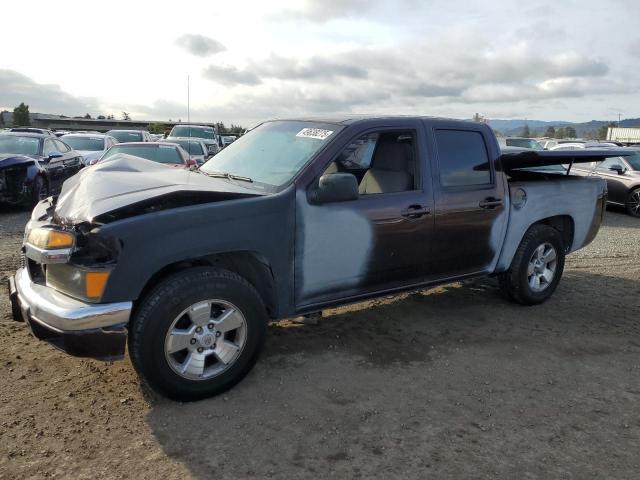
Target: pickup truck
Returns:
[293, 217]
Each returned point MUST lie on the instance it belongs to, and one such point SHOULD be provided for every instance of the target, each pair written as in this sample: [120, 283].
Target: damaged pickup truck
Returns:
[293, 217]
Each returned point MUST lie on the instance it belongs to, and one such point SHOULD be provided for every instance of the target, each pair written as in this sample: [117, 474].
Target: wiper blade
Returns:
[230, 176]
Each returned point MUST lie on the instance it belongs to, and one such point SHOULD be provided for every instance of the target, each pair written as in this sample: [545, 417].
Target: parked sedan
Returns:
[90, 146]
[125, 136]
[623, 179]
[170, 154]
[43, 131]
[34, 166]
[196, 149]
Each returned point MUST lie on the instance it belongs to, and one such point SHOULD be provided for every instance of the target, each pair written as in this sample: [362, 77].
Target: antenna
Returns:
[188, 117]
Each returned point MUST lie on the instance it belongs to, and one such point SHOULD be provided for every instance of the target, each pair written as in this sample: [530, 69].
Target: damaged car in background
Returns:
[34, 166]
[293, 217]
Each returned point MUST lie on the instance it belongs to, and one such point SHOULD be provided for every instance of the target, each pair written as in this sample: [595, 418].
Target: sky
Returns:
[248, 61]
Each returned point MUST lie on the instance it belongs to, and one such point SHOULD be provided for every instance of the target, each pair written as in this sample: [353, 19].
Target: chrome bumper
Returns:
[62, 313]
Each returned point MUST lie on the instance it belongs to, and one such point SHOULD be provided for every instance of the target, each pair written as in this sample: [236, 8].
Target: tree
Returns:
[87, 116]
[550, 132]
[236, 129]
[603, 130]
[21, 116]
[157, 128]
[126, 116]
[571, 132]
[525, 131]
[561, 132]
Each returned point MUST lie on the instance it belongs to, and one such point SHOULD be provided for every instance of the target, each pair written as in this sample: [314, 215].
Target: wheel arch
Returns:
[564, 224]
[250, 265]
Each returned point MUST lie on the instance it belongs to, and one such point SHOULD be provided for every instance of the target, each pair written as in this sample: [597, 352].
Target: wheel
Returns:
[536, 268]
[197, 333]
[39, 191]
[633, 203]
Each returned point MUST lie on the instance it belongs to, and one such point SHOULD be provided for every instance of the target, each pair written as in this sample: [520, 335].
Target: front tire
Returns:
[633, 203]
[536, 268]
[197, 333]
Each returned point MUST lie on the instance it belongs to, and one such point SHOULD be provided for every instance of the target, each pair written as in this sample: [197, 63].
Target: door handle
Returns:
[490, 203]
[415, 211]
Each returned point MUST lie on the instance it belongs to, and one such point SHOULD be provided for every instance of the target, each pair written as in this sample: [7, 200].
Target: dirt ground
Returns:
[453, 382]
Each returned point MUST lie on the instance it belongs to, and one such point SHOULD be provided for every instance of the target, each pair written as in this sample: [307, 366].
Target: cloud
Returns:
[324, 10]
[229, 75]
[200, 45]
[16, 87]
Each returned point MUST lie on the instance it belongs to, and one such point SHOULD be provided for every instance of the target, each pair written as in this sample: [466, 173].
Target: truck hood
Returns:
[123, 186]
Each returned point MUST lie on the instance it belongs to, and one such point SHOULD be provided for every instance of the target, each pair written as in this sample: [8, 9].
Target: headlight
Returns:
[49, 239]
[78, 282]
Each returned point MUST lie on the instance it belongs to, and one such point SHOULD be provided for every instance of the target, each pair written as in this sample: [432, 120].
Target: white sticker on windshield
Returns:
[318, 133]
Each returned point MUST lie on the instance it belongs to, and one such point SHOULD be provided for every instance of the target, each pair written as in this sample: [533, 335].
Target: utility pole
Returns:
[188, 102]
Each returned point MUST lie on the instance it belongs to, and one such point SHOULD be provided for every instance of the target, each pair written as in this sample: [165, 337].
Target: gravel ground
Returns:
[452, 382]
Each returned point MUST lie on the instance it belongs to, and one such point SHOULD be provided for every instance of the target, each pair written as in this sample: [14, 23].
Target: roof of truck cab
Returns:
[352, 119]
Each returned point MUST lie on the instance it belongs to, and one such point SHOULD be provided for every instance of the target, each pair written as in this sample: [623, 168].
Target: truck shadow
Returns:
[311, 378]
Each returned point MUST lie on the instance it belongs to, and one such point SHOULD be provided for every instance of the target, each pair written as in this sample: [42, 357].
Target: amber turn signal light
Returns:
[94, 284]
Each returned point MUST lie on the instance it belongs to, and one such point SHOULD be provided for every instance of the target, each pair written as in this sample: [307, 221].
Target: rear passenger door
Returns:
[470, 199]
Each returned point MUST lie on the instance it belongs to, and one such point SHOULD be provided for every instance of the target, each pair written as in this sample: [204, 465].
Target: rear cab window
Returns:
[463, 159]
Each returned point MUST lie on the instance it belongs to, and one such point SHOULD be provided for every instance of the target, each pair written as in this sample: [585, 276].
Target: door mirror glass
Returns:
[335, 187]
[618, 168]
[53, 154]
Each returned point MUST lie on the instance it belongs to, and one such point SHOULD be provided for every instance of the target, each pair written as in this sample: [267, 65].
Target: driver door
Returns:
[380, 241]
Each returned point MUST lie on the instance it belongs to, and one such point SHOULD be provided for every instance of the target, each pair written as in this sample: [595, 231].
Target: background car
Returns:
[202, 132]
[126, 136]
[34, 166]
[90, 146]
[227, 140]
[41, 131]
[528, 143]
[569, 146]
[170, 154]
[196, 148]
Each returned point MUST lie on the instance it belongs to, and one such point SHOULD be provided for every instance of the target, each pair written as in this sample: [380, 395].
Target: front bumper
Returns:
[81, 329]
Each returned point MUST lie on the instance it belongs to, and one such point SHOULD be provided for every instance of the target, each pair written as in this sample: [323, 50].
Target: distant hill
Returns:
[514, 127]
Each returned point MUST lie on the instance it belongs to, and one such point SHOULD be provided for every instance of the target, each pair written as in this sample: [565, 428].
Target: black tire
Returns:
[632, 203]
[39, 190]
[515, 281]
[163, 304]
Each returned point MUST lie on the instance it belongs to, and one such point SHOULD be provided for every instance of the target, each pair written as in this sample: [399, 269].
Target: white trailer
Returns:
[624, 135]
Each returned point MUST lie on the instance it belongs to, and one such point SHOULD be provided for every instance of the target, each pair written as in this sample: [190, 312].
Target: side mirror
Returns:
[335, 187]
[53, 154]
[618, 168]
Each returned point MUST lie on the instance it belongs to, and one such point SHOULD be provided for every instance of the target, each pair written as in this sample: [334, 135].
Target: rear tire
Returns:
[536, 268]
[178, 340]
[633, 203]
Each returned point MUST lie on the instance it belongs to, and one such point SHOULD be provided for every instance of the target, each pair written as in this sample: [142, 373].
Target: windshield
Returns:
[194, 148]
[524, 143]
[634, 161]
[156, 153]
[93, 144]
[273, 152]
[197, 132]
[124, 137]
[19, 145]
